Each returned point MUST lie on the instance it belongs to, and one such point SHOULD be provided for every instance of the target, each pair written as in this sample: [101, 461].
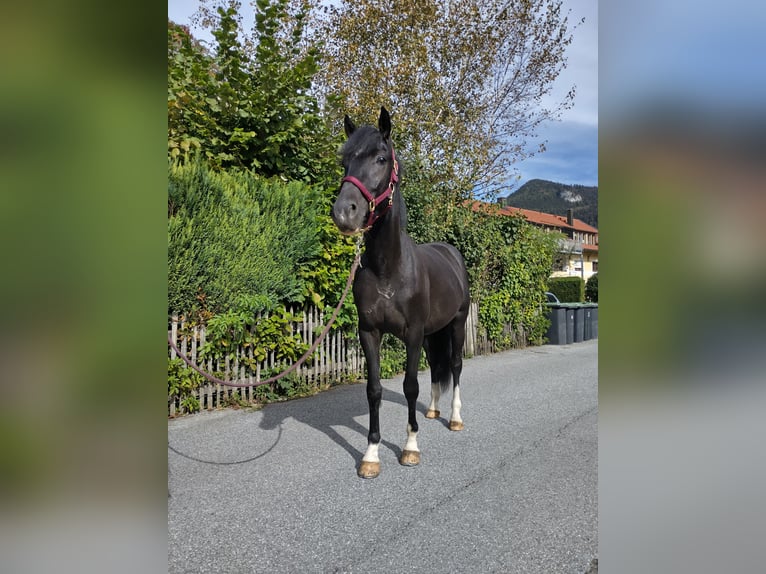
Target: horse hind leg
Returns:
[438, 359]
[456, 423]
[433, 411]
[456, 365]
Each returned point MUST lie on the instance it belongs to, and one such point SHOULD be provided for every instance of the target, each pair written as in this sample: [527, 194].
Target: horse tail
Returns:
[439, 354]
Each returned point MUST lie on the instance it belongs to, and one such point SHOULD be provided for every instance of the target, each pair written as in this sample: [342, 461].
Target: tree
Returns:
[190, 84]
[465, 79]
[248, 104]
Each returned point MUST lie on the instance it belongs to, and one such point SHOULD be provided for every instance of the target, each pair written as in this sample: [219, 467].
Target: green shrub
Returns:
[509, 261]
[182, 382]
[567, 289]
[393, 357]
[236, 241]
[591, 289]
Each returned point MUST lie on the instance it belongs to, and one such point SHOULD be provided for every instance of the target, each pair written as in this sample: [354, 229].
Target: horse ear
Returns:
[384, 123]
[349, 126]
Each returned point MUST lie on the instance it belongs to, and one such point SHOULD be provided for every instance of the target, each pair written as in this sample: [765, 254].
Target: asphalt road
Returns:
[276, 490]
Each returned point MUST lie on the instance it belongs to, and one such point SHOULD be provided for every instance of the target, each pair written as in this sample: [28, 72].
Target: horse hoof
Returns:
[369, 469]
[410, 458]
[456, 425]
[432, 414]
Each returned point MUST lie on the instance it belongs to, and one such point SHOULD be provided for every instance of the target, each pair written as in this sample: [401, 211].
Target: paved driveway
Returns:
[276, 490]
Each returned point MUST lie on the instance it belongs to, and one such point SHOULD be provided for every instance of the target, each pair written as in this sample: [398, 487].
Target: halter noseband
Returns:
[373, 201]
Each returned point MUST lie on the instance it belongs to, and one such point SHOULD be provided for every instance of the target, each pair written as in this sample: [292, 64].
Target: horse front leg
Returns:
[411, 453]
[370, 341]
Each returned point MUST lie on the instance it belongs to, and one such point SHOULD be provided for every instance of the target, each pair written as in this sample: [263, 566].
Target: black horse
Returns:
[418, 293]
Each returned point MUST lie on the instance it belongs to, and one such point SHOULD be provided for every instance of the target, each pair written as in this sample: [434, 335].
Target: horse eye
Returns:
[381, 159]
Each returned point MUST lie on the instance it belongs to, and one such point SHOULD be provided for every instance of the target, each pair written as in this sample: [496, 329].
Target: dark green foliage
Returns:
[230, 330]
[555, 198]
[190, 86]
[326, 276]
[393, 357]
[434, 205]
[567, 289]
[249, 106]
[508, 263]
[236, 241]
[591, 289]
[182, 382]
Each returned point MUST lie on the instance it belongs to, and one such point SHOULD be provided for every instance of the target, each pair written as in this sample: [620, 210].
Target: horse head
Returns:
[371, 175]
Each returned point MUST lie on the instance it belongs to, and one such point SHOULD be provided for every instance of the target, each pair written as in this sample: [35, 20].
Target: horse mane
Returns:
[399, 204]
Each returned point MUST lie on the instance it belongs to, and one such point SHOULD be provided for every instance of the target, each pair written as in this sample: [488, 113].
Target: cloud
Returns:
[582, 64]
[571, 156]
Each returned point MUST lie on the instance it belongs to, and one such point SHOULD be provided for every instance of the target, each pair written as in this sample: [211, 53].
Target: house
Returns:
[578, 254]
[579, 250]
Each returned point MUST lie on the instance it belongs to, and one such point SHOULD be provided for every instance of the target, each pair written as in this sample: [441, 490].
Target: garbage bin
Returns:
[569, 312]
[557, 331]
[588, 321]
[579, 322]
[585, 321]
[594, 321]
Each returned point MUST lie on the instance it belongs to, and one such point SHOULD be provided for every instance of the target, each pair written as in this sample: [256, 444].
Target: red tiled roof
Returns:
[549, 219]
[532, 216]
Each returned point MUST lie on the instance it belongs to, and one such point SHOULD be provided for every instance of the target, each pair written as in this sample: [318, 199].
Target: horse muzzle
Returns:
[349, 212]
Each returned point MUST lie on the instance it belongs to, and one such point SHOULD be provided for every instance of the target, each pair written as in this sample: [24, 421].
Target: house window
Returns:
[595, 266]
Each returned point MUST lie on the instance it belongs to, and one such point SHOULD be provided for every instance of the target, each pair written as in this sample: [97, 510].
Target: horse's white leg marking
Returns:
[370, 465]
[411, 452]
[412, 440]
[433, 408]
[456, 423]
[372, 453]
[456, 404]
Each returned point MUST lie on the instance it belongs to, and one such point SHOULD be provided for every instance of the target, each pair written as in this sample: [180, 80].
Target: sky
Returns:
[702, 54]
[571, 155]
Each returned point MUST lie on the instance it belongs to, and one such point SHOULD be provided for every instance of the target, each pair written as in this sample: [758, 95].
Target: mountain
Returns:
[556, 198]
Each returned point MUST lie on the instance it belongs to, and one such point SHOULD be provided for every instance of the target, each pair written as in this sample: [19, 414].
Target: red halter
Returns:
[373, 201]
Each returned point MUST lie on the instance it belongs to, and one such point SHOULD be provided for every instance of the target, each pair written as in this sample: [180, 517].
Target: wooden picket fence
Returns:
[337, 358]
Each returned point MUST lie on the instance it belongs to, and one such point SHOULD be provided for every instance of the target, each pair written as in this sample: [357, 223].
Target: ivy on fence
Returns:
[247, 349]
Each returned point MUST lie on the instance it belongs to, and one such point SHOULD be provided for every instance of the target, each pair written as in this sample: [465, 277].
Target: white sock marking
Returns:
[412, 440]
[435, 394]
[372, 453]
[456, 404]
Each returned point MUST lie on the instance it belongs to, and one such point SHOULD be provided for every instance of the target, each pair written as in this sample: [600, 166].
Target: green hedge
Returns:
[591, 289]
[236, 241]
[509, 261]
[567, 289]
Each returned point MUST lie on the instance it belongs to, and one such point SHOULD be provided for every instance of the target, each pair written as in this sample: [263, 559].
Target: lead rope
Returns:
[306, 355]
